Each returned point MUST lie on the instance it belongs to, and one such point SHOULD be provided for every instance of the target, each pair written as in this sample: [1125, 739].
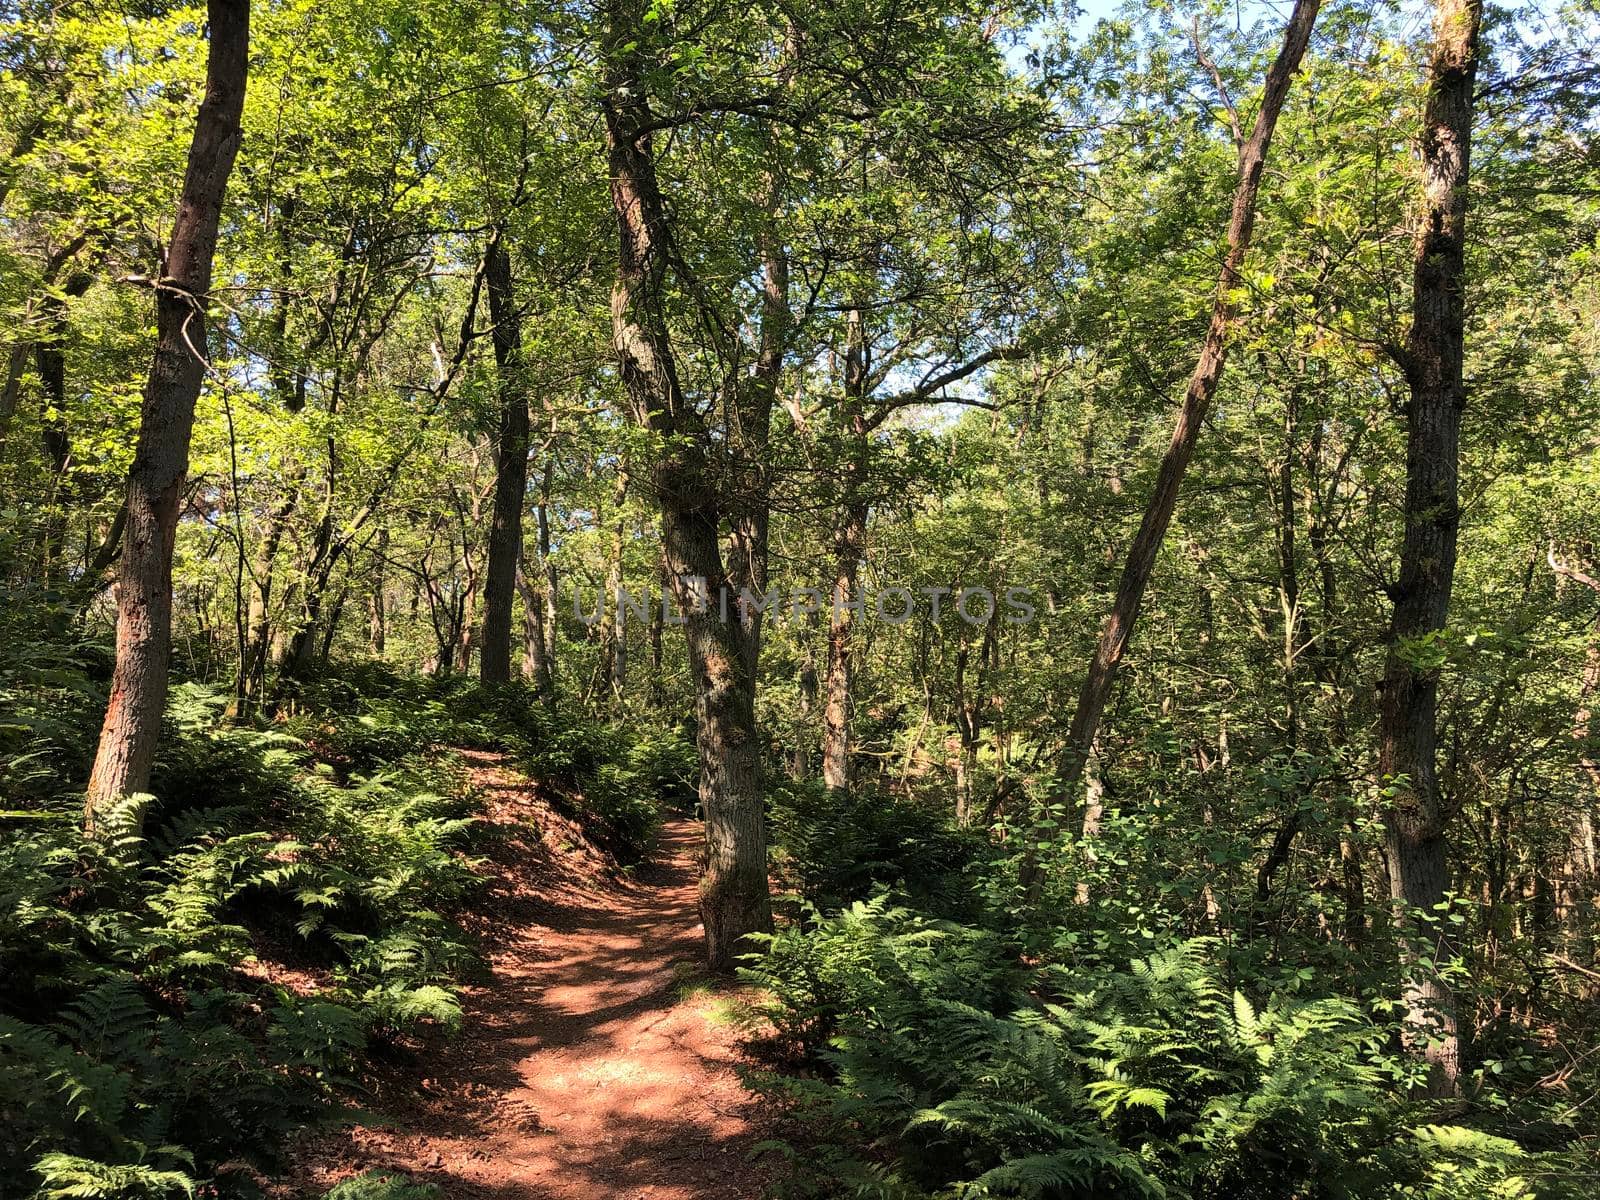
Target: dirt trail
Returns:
[585, 1070]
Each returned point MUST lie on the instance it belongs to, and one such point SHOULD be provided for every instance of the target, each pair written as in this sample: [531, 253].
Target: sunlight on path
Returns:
[583, 1071]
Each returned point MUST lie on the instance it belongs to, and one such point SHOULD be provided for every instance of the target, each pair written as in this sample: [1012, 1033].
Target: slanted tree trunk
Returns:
[250, 680]
[11, 386]
[324, 558]
[166, 422]
[1197, 397]
[733, 887]
[330, 626]
[1419, 872]
[511, 474]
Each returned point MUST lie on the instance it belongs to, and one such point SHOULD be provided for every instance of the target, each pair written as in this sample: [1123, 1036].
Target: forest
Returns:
[902, 599]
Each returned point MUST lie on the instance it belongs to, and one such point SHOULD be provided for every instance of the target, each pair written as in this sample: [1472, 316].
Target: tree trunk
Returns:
[838, 680]
[613, 612]
[11, 387]
[1289, 606]
[972, 705]
[250, 682]
[658, 668]
[511, 474]
[849, 541]
[1582, 859]
[546, 683]
[1419, 873]
[733, 888]
[330, 627]
[1582, 733]
[1196, 403]
[325, 554]
[535, 667]
[800, 756]
[166, 422]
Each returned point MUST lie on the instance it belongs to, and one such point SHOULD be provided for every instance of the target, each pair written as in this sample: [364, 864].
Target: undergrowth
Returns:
[926, 1037]
[220, 966]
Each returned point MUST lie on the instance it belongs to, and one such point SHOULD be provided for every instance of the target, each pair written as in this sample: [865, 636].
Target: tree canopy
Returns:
[1095, 512]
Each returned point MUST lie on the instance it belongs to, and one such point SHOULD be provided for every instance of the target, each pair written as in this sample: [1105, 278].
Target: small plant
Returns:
[382, 1185]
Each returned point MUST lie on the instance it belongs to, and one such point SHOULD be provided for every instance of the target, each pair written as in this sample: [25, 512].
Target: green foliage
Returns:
[1020, 201]
[841, 846]
[615, 778]
[65, 1177]
[381, 1185]
[940, 1065]
[140, 1045]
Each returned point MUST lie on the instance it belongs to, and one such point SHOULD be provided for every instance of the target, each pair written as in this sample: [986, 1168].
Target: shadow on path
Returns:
[582, 1072]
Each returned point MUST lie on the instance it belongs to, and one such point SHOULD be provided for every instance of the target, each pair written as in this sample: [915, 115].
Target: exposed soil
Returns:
[588, 1066]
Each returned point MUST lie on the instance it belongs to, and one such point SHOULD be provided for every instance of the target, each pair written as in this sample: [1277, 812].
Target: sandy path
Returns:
[585, 1069]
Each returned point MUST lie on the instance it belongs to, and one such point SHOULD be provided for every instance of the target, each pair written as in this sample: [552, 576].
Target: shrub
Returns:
[940, 1065]
[841, 846]
[139, 1046]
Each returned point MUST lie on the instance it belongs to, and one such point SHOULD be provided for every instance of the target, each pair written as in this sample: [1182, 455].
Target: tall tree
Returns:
[166, 422]
[734, 899]
[1197, 397]
[511, 473]
[1419, 872]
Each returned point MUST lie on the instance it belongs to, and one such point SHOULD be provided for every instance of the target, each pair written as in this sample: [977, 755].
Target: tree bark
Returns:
[1197, 398]
[511, 474]
[733, 887]
[1582, 857]
[839, 677]
[1581, 851]
[1419, 873]
[800, 755]
[11, 388]
[250, 681]
[1290, 607]
[166, 421]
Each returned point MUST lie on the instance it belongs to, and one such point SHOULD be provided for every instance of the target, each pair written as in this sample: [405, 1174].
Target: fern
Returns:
[68, 1177]
[132, 1014]
[929, 1049]
[382, 1185]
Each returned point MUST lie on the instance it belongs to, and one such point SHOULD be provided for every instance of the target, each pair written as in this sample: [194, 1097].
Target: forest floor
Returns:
[593, 1063]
